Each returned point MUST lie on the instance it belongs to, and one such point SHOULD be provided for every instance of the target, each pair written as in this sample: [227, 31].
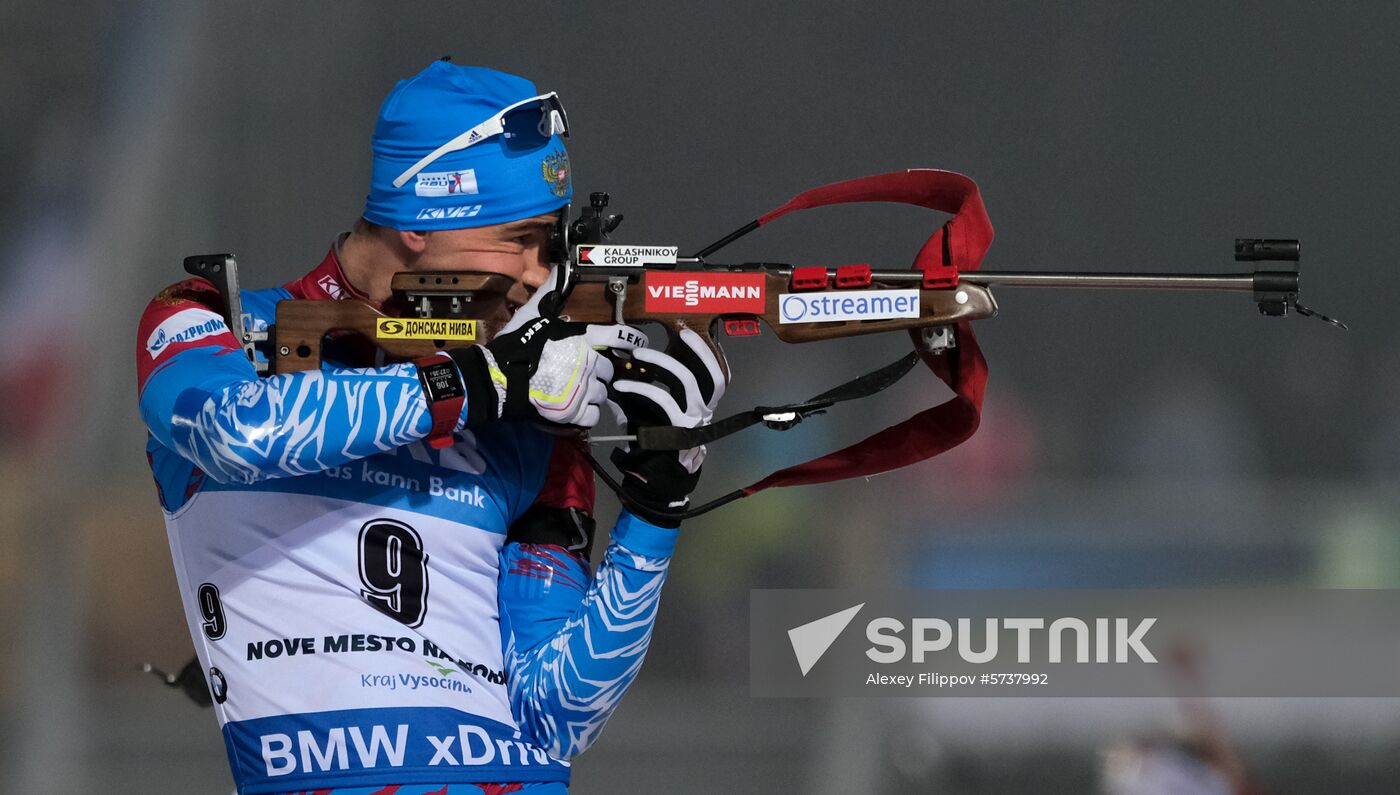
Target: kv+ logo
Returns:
[449, 212]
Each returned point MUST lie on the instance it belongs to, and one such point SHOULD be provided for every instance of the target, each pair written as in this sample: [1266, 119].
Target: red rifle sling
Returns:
[961, 242]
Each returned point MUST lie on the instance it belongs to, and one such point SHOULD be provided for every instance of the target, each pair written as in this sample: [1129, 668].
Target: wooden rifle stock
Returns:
[303, 326]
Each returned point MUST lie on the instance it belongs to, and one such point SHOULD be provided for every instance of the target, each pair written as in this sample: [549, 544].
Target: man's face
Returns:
[519, 249]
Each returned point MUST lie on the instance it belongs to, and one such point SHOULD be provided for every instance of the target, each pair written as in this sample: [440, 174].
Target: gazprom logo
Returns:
[187, 326]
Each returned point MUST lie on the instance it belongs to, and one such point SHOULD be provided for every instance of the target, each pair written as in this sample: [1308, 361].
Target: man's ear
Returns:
[414, 242]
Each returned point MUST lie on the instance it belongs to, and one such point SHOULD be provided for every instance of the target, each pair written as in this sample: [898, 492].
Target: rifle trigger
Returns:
[617, 285]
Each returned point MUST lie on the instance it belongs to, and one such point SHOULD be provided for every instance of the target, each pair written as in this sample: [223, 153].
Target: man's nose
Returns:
[536, 273]
[519, 294]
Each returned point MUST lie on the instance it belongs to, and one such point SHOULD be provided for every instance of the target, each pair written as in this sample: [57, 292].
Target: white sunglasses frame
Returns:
[558, 125]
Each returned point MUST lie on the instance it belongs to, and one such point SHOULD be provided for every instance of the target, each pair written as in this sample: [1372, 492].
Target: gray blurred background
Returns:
[1128, 440]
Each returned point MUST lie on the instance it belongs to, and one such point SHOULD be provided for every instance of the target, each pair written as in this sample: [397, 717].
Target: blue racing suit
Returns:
[371, 611]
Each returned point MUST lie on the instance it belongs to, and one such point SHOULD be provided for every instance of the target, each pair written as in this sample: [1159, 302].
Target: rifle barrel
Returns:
[1231, 282]
[1256, 281]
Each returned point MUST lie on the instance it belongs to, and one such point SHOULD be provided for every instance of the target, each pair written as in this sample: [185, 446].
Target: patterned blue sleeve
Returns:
[573, 644]
[207, 403]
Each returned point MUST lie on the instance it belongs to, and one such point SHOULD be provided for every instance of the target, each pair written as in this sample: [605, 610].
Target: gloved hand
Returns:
[686, 388]
[542, 368]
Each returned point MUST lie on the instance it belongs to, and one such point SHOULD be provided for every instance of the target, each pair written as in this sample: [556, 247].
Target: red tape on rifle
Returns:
[961, 242]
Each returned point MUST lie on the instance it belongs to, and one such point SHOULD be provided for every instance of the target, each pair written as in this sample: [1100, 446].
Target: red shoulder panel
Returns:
[569, 481]
[182, 316]
[326, 282]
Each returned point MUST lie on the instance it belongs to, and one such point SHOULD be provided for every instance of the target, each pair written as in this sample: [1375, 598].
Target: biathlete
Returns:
[385, 565]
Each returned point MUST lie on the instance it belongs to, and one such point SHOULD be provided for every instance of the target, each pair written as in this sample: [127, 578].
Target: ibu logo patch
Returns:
[446, 183]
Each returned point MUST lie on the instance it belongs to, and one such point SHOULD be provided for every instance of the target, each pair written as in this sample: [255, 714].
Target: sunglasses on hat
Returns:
[527, 124]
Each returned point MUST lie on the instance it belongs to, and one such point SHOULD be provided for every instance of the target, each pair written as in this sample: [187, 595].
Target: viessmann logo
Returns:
[705, 292]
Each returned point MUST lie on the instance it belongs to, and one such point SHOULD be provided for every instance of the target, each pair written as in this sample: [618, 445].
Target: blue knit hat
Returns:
[501, 178]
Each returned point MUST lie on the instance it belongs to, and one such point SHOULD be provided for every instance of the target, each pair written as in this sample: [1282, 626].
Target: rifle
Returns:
[605, 282]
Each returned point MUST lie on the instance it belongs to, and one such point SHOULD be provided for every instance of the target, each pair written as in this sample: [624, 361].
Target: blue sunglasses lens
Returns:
[529, 128]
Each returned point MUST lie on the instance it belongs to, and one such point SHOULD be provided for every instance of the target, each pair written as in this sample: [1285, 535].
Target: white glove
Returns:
[695, 404]
[546, 368]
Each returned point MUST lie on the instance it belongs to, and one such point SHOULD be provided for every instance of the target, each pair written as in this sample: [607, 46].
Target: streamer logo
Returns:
[847, 305]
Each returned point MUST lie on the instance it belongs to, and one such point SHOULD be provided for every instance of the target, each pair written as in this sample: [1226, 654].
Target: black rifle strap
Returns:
[667, 437]
[670, 437]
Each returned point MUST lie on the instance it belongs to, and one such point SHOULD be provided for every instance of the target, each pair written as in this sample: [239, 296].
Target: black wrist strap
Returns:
[569, 528]
[518, 356]
[476, 380]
